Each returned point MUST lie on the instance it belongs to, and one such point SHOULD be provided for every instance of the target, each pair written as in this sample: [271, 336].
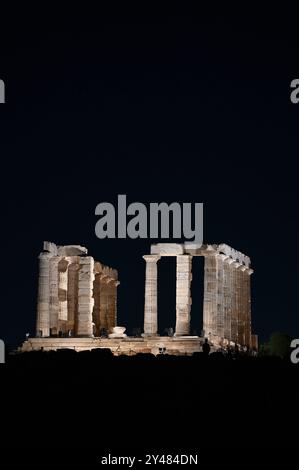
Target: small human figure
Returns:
[206, 348]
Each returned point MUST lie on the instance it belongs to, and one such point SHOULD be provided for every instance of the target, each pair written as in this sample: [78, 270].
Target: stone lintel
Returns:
[167, 249]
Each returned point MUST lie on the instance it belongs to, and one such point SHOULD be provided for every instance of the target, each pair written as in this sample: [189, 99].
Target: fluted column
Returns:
[113, 303]
[54, 302]
[228, 301]
[222, 292]
[210, 296]
[235, 301]
[247, 287]
[151, 298]
[85, 296]
[72, 295]
[43, 300]
[62, 293]
[108, 303]
[183, 295]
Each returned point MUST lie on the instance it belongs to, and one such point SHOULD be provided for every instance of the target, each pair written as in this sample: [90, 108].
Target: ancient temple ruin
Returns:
[227, 292]
[77, 296]
[77, 301]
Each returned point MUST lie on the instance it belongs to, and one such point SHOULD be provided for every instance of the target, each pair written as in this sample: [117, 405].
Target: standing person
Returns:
[206, 348]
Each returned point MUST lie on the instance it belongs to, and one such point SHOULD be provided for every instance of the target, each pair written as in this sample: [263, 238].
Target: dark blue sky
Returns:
[181, 108]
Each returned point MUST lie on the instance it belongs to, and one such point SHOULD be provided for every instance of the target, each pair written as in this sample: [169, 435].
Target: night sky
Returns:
[178, 108]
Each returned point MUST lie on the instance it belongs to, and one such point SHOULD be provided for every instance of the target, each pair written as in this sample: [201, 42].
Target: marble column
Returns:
[113, 285]
[54, 302]
[108, 303]
[183, 295]
[151, 296]
[223, 297]
[240, 305]
[247, 288]
[96, 315]
[72, 295]
[62, 294]
[235, 301]
[85, 296]
[228, 301]
[43, 300]
[210, 296]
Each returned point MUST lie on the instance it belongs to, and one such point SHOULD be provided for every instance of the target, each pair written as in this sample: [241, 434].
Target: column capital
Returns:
[229, 261]
[236, 265]
[222, 257]
[249, 271]
[152, 258]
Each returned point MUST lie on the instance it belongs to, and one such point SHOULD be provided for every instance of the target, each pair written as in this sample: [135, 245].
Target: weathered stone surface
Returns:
[43, 301]
[151, 301]
[167, 249]
[68, 292]
[78, 297]
[118, 332]
[183, 295]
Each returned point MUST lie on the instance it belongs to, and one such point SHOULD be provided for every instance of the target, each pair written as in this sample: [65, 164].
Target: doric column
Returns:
[210, 296]
[151, 299]
[247, 288]
[222, 291]
[235, 301]
[113, 303]
[108, 303]
[62, 293]
[228, 302]
[85, 298]
[54, 302]
[223, 297]
[183, 295]
[43, 301]
[72, 295]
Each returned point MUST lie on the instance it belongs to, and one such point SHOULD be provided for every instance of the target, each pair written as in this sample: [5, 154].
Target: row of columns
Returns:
[73, 297]
[227, 298]
[183, 295]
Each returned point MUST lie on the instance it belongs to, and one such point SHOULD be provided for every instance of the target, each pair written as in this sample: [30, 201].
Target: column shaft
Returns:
[85, 296]
[210, 296]
[43, 301]
[54, 302]
[62, 294]
[227, 300]
[183, 295]
[234, 298]
[151, 299]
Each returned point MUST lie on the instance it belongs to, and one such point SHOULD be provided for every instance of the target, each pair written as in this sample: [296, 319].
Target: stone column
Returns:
[62, 294]
[97, 303]
[234, 297]
[247, 288]
[240, 304]
[223, 297]
[43, 300]
[183, 295]
[54, 302]
[210, 296]
[151, 299]
[85, 296]
[113, 284]
[108, 303]
[228, 303]
[72, 295]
